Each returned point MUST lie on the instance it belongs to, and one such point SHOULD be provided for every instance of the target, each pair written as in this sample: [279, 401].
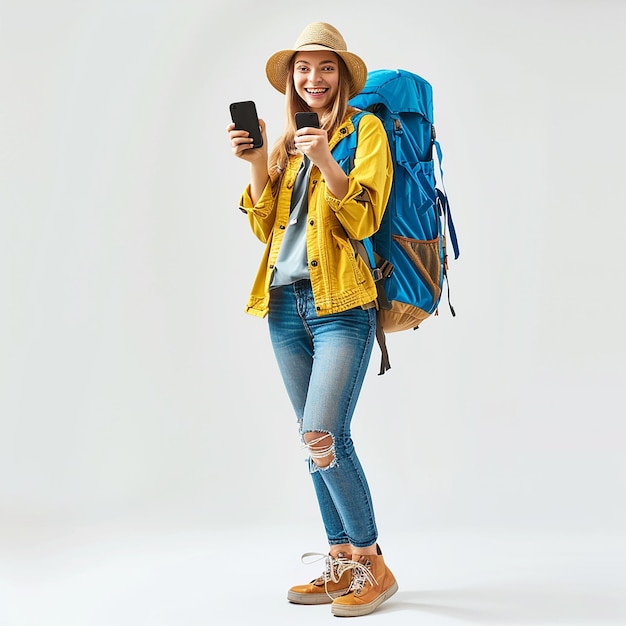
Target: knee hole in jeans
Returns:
[321, 448]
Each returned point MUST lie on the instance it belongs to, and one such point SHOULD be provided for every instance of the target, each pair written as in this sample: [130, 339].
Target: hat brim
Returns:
[277, 67]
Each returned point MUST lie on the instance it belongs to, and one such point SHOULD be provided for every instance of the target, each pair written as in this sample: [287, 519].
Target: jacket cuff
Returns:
[265, 202]
[356, 192]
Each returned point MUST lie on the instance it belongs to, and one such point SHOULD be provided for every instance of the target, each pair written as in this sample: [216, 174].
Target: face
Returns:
[316, 78]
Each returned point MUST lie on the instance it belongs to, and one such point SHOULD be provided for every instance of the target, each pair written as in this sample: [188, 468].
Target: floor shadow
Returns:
[517, 603]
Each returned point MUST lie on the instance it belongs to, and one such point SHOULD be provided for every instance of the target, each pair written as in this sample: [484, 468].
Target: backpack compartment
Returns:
[410, 235]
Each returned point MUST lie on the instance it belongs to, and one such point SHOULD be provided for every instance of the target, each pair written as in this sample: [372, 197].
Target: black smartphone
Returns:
[307, 119]
[245, 117]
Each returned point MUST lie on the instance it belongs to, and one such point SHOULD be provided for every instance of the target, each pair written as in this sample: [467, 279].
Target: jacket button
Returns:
[313, 263]
[343, 131]
[271, 267]
[319, 308]
[311, 222]
[282, 227]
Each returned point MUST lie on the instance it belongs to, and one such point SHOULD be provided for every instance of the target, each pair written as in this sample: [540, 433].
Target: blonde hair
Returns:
[330, 120]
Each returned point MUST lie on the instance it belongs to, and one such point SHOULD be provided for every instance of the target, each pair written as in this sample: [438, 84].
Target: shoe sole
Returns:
[342, 610]
[314, 598]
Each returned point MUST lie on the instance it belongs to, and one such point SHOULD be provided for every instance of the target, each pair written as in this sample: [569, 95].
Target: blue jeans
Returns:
[323, 361]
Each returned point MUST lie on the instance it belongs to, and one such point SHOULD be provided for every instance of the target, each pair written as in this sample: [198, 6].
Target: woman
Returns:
[319, 295]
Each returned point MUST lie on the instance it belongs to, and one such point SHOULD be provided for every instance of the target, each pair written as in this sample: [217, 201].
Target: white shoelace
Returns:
[336, 567]
[361, 575]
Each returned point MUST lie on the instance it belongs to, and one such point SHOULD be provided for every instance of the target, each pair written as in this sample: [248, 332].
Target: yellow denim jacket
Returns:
[340, 280]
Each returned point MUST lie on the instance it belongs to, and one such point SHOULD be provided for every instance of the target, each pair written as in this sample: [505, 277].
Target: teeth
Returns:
[315, 91]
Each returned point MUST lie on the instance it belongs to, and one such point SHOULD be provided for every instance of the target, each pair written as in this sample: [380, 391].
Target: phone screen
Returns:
[245, 117]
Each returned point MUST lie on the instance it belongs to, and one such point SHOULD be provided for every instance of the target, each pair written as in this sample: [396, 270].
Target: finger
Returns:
[240, 145]
[239, 141]
[239, 133]
[241, 151]
[307, 130]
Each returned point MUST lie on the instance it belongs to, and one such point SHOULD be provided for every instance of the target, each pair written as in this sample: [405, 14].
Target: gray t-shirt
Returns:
[292, 262]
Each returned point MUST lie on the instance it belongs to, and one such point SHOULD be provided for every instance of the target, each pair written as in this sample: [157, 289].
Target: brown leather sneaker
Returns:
[372, 584]
[334, 582]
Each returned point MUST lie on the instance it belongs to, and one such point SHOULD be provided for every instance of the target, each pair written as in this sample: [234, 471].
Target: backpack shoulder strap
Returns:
[344, 153]
[345, 149]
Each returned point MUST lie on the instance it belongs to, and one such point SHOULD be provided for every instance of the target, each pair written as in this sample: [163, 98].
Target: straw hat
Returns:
[317, 36]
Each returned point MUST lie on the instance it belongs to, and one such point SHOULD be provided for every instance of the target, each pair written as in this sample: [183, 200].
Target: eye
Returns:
[328, 68]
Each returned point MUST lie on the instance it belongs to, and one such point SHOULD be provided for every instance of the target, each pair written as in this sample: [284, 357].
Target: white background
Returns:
[137, 398]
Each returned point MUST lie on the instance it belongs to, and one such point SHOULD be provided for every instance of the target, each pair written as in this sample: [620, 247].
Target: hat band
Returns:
[313, 46]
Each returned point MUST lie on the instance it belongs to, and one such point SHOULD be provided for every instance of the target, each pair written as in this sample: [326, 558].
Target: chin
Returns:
[318, 104]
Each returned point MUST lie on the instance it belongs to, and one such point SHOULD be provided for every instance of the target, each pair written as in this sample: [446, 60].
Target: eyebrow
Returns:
[320, 63]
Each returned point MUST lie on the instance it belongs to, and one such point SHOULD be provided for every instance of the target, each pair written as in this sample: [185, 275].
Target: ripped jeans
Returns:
[323, 361]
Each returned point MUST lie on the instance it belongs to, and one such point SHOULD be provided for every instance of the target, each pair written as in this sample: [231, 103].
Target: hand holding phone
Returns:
[307, 119]
[245, 117]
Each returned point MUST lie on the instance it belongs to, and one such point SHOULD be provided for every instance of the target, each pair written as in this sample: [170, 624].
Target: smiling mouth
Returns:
[317, 92]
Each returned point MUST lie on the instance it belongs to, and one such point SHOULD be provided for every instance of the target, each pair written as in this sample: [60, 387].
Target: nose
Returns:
[316, 76]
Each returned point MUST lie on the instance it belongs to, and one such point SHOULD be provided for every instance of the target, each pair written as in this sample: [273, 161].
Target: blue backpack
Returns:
[407, 254]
